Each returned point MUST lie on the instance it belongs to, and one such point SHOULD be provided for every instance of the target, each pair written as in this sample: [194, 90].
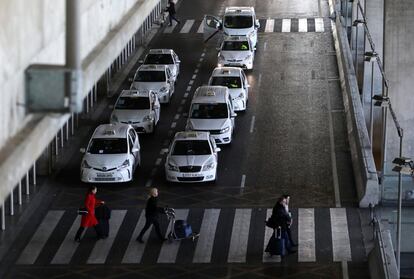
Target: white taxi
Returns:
[236, 81]
[156, 78]
[212, 110]
[192, 157]
[112, 154]
[141, 109]
[163, 56]
[236, 51]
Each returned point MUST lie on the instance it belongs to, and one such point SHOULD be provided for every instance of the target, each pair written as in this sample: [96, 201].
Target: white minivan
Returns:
[212, 110]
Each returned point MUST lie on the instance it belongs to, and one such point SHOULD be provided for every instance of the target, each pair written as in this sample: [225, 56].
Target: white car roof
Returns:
[226, 72]
[192, 135]
[161, 51]
[239, 11]
[132, 93]
[111, 131]
[152, 68]
[211, 94]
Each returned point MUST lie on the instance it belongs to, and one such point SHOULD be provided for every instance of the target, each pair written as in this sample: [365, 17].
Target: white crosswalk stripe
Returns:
[286, 23]
[319, 25]
[170, 29]
[303, 25]
[243, 234]
[187, 26]
[201, 28]
[270, 25]
[39, 239]
[341, 247]
[101, 249]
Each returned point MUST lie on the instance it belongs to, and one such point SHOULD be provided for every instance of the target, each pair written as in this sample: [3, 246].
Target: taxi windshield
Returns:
[133, 103]
[159, 59]
[209, 111]
[150, 76]
[191, 147]
[229, 82]
[235, 45]
[108, 146]
[238, 21]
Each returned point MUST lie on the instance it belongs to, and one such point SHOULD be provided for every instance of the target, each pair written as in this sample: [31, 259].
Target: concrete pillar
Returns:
[398, 64]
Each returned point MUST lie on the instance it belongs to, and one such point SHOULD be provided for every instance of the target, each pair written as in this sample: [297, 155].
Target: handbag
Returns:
[82, 211]
[276, 244]
[271, 223]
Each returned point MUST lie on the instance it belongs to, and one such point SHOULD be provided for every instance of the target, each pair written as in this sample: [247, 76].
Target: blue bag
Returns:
[182, 229]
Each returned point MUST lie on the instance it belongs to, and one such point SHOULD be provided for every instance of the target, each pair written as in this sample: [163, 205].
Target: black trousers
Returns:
[172, 16]
[81, 229]
[148, 222]
[289, 234]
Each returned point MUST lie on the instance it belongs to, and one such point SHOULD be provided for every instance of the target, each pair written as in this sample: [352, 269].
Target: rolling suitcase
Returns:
[276, 244]
[103, 214]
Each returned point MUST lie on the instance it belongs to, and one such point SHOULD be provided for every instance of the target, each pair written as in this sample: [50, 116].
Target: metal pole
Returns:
[346, 17]
[3, 217]
[27, 178]
[73, 32]
[371, 112]
[384, 137]
[67, 130]
[34, 173]
[87, 103]
[56, 145]
[19, 193]
[27, 187]
[356, 52]
[72, 124]
[61, 137]
[398, 244]
[12, 202]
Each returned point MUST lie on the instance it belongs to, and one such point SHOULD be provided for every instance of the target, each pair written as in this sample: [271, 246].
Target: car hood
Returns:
[156, 86]
[108, 161]
[126, 115]
[238, 55]
[235, 92]
[190, 160]
[238, 32]
[208, 124]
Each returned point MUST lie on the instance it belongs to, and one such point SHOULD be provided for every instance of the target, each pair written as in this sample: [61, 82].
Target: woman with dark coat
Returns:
[151, 215]
[171, 12]
[89, 219]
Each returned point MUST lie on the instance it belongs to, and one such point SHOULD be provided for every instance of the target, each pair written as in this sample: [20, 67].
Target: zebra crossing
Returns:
[226, 236]
[284, 25]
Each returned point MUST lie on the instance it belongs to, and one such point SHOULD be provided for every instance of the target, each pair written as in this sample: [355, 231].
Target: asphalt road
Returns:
[292, 139]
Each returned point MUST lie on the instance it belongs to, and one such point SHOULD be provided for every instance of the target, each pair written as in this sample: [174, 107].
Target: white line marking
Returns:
[203, 54]
[101, 250]
[173, 125]
[158, 161]
[187, 26]
[177, 116]
[185, 95]
[319, 25]
[201, 59]
[306, 235]
[270, 25]
[195, 71]
[303, 25]
[341, 247]
[68, 246]
[183, 101]
[265, 46]
[40, 237]
[169, 251]
[252, 124]
[149, 183]
[204, 248]
[194, 76]
[188, 88]
[243, 181]
[268, 233]
[345, 274]
[135, 249]
[201, 28]
[239, 236]
[260, 81]
[191, 82]
[170, 29]
[286, 25]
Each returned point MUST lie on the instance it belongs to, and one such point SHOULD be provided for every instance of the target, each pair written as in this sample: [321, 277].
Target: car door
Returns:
[214, 147]
[177, 62]
[245, 84]
[211, 26]
[170, 80]
[155, 106]
[134, 147]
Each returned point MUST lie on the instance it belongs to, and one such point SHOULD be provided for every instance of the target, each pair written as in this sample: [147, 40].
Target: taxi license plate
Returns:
[190, 174]
[104, 175]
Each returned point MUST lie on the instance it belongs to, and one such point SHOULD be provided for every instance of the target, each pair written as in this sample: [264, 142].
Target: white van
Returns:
[212, 110]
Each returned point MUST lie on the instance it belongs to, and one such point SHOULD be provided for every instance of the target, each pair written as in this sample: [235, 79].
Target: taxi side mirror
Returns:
[218, 149]
[141, 61]
[164, 150]
[82, 150]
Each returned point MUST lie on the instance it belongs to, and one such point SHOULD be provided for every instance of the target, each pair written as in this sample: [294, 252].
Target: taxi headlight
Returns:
[85, 165]
[148, 118]
[172, 167]
[225, 130]
[241, 96]
[125, 164]
[209, 166]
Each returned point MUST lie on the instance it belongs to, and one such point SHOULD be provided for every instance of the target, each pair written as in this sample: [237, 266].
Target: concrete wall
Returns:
[399, 66]
[33, 32]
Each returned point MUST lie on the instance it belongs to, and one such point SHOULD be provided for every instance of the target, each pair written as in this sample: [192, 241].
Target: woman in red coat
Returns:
[89, 220]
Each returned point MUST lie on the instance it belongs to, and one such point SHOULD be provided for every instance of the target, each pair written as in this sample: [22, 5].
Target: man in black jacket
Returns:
[151, 215]
[171, 12]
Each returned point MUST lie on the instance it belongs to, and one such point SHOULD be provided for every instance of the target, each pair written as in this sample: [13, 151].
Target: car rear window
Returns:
[209, 111]
[229, 82]
[133, 103]
[191, 147]
[235, 45]
[150, 76]
[238, 21]
[159, 59]
[108, 146]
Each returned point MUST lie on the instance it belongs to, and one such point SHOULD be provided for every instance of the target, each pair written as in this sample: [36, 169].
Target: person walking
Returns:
[283, 220]
[288, 231]
[89, 220]
[151, 215]
[171, 12]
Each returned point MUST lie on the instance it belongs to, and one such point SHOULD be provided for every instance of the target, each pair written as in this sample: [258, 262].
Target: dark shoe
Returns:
[140, 240]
